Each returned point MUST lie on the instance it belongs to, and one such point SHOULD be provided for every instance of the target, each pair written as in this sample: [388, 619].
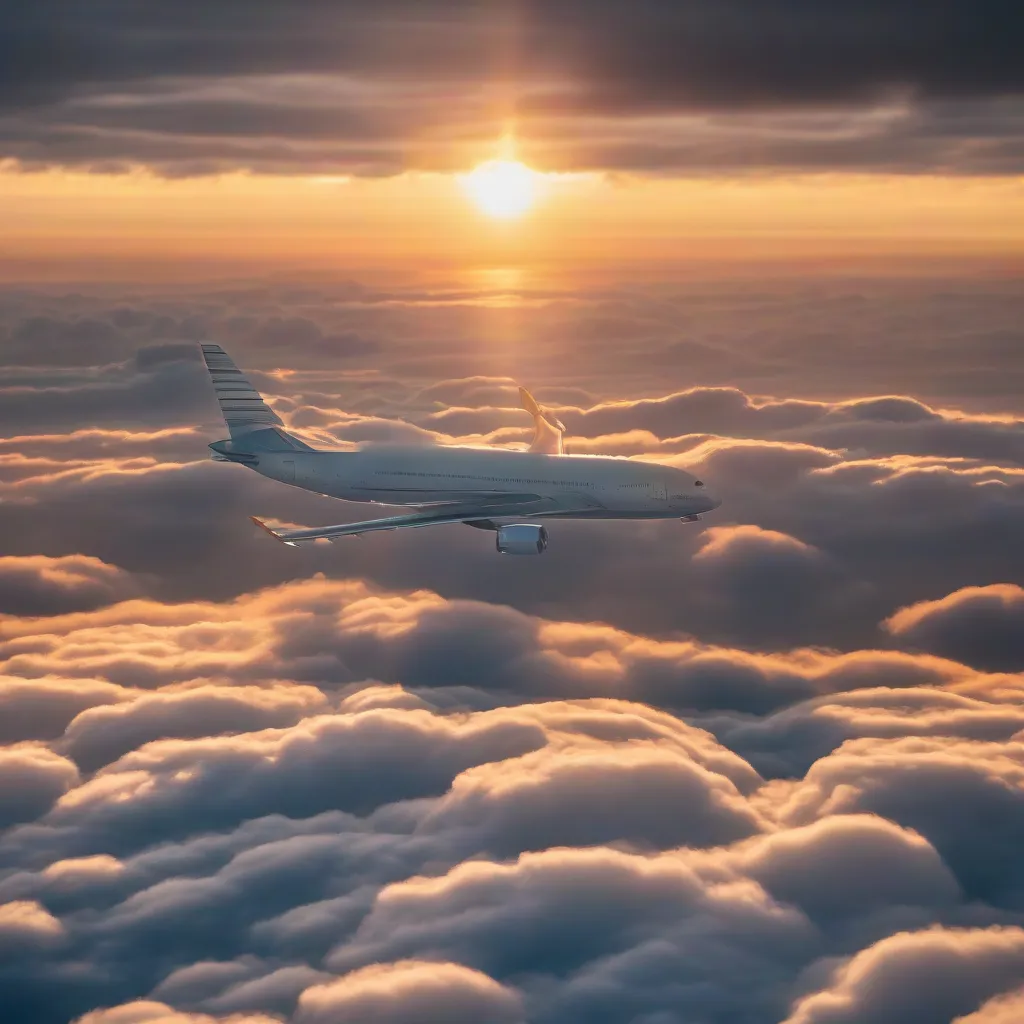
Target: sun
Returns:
[502, 188]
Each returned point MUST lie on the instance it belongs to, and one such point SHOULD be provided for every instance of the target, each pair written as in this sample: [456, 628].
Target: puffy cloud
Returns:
[882, 866]
[84, 867]
[843, 516]
[146, 1011]
[580, 923]
[410, 992]
[643, 793]
[83, 870]
[32, 779]
[981, 626]
[366, 698]
[790, 740]
[354, 763]
[764, 577]
[41, 708]
[51, 586]
[143, 518]
[337, 634]
[964, 796]
[557, 910]
[928, 976]
[102, 734]
[203, 979]
[276, 991]
[1001, 1010]
[27, 922]
[602, 786]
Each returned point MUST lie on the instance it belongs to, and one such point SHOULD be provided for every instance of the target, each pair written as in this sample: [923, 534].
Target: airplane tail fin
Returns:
[252, 424]
[548, 428]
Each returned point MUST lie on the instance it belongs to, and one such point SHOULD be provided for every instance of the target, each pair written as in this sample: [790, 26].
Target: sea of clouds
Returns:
[767, 768]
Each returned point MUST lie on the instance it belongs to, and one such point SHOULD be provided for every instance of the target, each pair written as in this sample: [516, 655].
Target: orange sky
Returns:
[582, 220]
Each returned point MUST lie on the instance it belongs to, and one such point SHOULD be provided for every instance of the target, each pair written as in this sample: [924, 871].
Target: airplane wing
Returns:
[436, 517]
[481, 512]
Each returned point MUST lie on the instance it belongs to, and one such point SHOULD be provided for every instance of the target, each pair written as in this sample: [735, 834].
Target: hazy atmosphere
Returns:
[765, 768]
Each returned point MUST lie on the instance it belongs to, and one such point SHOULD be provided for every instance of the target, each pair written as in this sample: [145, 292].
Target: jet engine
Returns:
[521, 539]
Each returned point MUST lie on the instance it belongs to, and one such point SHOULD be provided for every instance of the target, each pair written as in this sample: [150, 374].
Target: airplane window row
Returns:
[469, 476]
[501, 479]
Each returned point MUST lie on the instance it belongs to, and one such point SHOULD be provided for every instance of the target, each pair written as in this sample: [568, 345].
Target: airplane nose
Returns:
[709, 499]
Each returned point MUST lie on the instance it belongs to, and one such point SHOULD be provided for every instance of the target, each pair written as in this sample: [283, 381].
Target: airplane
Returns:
[510, 492]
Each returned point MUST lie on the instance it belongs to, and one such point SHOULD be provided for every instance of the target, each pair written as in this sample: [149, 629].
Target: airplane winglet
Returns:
[529, 402]
[266, 529]
[548, 428]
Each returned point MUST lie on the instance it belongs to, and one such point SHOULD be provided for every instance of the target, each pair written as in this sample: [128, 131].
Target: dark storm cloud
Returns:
[342, 86]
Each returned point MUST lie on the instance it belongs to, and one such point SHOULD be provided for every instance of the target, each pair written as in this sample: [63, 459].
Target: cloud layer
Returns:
[521, 845]
[767, 768]
[639, 86]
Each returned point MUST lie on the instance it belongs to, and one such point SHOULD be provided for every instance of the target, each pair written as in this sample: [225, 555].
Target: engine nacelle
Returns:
[521, 539]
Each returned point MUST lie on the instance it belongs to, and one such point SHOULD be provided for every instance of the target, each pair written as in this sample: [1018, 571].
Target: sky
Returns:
[767, 768]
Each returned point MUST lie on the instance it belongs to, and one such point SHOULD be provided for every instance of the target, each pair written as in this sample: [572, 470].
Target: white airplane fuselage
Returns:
[499, 489]
[575, 486]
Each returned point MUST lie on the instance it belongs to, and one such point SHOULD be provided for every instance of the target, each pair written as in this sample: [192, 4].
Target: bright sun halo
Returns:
[502, 188]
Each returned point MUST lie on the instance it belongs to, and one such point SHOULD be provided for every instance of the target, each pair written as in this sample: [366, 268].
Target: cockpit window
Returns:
[698, 483]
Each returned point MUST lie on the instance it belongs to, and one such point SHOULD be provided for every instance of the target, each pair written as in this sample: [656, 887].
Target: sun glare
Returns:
[502, 188]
